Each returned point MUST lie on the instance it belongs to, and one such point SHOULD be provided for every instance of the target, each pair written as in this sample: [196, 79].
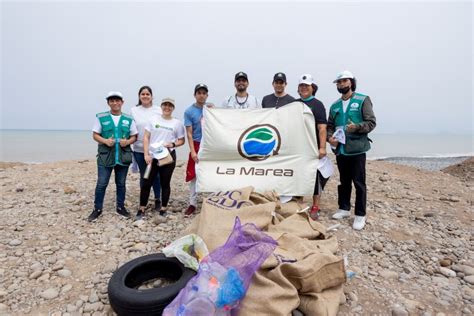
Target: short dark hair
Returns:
[353, 84]
[315, 89]
[140, 91]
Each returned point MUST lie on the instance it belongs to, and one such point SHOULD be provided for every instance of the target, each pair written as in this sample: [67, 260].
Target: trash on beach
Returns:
[189, 250]
[224, 276]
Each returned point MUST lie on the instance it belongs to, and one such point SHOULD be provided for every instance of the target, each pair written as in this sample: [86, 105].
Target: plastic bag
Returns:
[224, 276]
[189, 250]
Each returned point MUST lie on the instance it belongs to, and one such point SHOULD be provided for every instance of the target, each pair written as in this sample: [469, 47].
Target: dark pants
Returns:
[103, 177]
[352, 169]
[140, 159]
[165, 172]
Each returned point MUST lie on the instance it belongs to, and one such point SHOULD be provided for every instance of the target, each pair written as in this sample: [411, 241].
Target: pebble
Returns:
[447, 272]
[49, 294]
[15, 242]
[390, 275]
[66, 288]
[378, 246]
[399, 311]
[445, 262]
[64, 273]
[3, 307]
[469, 279]
[35, 274]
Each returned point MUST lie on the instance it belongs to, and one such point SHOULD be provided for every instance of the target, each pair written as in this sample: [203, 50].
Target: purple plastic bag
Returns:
[225, 274]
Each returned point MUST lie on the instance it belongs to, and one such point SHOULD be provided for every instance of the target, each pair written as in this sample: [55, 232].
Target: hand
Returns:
[124, 142]
[194, 156]
[333, 141]
[351, 128]
[168, 145]
[210, 105]
[148, 159]
[322, 152]
[109, 142]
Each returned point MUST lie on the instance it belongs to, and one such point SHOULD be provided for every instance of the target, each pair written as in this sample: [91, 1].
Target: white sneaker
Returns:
[359, 222]
[340, 214]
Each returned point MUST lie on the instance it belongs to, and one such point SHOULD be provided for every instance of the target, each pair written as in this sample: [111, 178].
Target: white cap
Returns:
[346, 74]
[115, 94]
[306, 79]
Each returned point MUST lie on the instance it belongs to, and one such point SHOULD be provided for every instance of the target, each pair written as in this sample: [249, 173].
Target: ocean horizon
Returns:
[40, 146]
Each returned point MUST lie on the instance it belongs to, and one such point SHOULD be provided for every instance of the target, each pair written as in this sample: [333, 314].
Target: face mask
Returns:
[343, 90]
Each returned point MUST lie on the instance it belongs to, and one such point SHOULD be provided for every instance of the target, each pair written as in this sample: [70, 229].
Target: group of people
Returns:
[124, 138]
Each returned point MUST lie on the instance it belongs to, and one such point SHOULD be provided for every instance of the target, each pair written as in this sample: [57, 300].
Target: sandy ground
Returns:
[415, 256]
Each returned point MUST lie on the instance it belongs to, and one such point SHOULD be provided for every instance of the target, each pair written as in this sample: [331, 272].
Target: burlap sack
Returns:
[325, 303]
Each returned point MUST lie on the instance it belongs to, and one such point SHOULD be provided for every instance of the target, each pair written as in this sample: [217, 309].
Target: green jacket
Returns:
[115, 155]
[359, 112]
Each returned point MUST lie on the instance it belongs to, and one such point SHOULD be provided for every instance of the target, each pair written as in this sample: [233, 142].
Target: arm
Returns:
[322, 140]
[101, 140]
[330, 131]
[192, 150]
[369, 119]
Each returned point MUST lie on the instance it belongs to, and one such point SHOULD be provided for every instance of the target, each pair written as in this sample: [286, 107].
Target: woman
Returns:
[142, 114]
[307, 90]
[161, 128]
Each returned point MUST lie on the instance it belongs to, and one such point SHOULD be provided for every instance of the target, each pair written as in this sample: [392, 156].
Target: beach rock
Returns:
[3, 307]
[69, 190]
[35, 274]
[49, 294]
[469, 279]
[399, 311]
[64, 273]
[15, 242]
[66, 288]
[378, 246]
[445, 262]
[447, 272]
[389, 275]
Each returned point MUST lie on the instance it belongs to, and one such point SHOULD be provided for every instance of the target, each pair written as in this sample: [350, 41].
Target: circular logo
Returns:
[258, 142]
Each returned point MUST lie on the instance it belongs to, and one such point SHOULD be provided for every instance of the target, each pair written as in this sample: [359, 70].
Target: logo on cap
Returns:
[304, 77]
[258, 142]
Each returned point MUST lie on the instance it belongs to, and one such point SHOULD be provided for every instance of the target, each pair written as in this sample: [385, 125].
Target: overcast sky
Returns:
[59, 59]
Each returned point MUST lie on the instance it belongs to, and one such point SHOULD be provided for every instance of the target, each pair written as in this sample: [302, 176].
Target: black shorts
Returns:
[320, 183]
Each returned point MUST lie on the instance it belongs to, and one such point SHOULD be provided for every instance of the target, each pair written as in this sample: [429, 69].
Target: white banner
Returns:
[269, 149]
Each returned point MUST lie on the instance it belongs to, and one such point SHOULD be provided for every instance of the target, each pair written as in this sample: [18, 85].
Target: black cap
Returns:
[279, 76]
[241, 74]
[200, 86]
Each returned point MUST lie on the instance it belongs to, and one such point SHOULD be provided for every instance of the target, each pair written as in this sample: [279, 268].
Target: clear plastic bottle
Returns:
[147, 171]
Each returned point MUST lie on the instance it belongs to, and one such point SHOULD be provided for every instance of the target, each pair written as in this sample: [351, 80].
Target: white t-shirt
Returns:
[167, 131]
[142, 116]
[345, 104]
[249, 102]
[116, 118]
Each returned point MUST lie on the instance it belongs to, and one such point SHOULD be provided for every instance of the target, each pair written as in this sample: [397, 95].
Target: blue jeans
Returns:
[103, 177]
[140, 159]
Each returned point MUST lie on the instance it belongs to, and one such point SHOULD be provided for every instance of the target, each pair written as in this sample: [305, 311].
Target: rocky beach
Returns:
[414, 257]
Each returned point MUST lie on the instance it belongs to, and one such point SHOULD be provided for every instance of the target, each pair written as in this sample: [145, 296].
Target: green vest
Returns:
[356, 143]
[111, 156]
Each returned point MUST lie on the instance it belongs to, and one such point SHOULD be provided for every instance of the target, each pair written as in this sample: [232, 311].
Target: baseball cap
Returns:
[169, 100]
[279, 76]
[306, 79]
[114, 94]
[241, 74]
[200, 86]
[346, 74]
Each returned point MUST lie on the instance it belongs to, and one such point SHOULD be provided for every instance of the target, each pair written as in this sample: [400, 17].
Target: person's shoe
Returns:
[122, 211]
[191, 209]
[140, 215]
[340, 214]
[314, 213]
[163, 211]
[359, 222]
[94, 215]
[157, 205]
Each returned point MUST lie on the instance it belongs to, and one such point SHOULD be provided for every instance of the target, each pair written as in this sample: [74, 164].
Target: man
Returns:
[307, 89]
[280, 97]
[241, 99]
[354, 115]
[193, 123]
[114, 131]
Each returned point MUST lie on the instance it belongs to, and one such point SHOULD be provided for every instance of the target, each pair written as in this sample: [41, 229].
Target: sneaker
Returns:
[157, 205]
[140, 215]
[359, 222]
[163, 211]
[94, 215]
[122, 211]
[191, 209]
[314, 212]
[340, 214]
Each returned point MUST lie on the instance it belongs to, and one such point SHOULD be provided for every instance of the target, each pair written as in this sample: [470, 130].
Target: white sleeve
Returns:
[226, 102]
[133, 129]
[258, 105]
[148, 126]
[180, 130]
[97, 128]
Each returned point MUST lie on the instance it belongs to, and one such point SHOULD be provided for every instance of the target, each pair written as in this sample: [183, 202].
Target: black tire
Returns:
[126, 300]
